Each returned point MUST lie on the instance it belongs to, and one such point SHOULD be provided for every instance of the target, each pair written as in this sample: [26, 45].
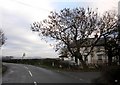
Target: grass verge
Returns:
[4, 69]
[68, 69]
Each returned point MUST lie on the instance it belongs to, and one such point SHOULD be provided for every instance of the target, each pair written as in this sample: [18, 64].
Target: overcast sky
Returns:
[17, 15]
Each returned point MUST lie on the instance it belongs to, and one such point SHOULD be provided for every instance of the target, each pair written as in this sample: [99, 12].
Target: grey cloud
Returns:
[21, 39]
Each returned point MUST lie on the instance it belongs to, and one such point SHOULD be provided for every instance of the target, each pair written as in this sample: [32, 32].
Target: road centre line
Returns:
[80, 79]
[30, 73]
[35, 83]
[26, 67]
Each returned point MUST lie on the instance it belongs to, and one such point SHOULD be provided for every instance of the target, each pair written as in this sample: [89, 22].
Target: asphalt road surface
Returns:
[20, 73]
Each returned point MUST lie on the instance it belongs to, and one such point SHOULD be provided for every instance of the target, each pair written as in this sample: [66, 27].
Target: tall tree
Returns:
[109, 33]
[64, 52]
[108, 29]
[72, 28]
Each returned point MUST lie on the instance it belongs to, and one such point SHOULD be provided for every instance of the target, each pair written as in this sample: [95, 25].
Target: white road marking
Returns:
[30, 73]
[26, 67]
[80, 79]
[11, 71]
[35, 83]
[116, 80]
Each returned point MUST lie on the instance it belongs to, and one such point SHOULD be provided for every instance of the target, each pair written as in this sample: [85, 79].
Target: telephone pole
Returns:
[119, 31]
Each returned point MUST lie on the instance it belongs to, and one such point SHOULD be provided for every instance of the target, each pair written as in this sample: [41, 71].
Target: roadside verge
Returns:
[4, 69]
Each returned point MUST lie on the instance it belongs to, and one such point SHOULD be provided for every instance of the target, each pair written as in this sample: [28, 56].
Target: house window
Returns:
[98, 49]
[99, 57]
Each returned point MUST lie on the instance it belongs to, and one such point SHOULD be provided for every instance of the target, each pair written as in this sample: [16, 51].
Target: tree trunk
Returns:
[76, 60]
[109, 61]
[119, 56]
[119, 59]
[109, 58]
[83, 64]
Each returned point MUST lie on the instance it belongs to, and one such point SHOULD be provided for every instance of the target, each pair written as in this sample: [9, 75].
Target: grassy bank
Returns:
[4, 69]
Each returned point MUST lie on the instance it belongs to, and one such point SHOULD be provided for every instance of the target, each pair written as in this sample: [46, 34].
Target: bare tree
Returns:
[72, 28]
[64, 52]
[109, 31]
[107, 26]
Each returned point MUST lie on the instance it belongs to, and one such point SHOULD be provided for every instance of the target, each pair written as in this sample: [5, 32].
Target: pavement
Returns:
[20, 73]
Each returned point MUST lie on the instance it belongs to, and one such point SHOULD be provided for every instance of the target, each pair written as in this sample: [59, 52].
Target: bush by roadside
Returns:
[53, 64]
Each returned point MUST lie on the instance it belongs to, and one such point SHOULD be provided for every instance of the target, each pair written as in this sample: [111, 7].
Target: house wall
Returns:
[97, 56]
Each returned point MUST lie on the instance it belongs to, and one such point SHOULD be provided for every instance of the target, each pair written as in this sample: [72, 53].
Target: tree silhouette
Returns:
[71, 28]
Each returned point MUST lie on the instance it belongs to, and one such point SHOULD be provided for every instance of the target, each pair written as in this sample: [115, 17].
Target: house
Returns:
[97, 56]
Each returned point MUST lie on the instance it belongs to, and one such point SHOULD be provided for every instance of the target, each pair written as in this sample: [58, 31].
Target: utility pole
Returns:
[119, 31]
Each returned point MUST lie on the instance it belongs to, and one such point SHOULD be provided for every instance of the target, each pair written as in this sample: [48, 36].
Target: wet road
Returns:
[20, 73]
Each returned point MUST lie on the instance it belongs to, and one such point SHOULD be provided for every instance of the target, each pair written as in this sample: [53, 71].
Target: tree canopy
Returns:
[75, 26]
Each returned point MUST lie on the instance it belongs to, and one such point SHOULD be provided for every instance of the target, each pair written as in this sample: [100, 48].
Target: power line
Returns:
[28, 5]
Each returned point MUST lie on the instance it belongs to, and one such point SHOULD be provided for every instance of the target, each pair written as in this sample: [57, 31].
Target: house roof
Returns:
[88, 42]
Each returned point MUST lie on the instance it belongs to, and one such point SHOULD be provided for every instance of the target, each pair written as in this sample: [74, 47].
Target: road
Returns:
[20, 73]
